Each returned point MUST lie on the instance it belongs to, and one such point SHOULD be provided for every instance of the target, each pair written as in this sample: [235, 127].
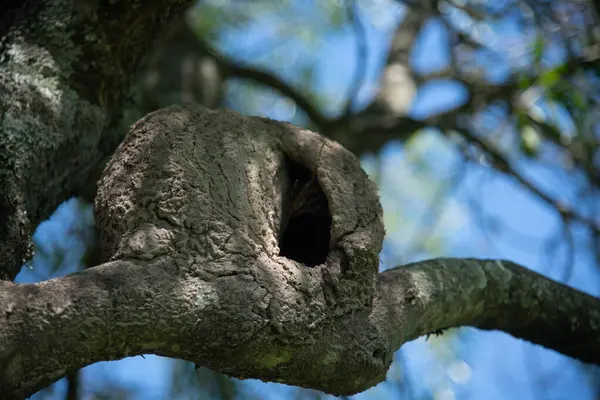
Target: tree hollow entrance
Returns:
[306, 225]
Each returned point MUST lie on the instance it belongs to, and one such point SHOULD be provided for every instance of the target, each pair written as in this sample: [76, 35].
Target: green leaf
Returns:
[538, 49]
[579, 99]
[530, 141]
[522, 120]
[550, 78]
[338, 17]
[524, 82]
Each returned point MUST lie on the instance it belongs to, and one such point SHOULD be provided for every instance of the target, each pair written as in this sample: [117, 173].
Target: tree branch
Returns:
[397, 86]
[502, 164]
[73, 390]
[234, 69]
[111, 301]
[362, 57]
[436, 294]
[57, 327]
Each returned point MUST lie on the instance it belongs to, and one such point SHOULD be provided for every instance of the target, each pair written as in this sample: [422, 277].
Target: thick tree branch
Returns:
[191, 212]
[494, 295]
[56, 327]
[112, 313]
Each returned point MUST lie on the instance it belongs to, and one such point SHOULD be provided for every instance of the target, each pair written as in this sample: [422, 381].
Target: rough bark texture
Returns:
[65, 66]
[493, 295]
[190, 209]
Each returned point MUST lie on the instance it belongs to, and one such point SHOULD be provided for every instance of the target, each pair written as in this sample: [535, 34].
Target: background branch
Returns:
[362, 57]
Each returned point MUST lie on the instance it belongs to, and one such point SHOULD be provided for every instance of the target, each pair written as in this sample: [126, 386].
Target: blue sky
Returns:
[469, 364]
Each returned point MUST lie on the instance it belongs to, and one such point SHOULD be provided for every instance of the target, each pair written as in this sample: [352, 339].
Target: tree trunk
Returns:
[65, 67]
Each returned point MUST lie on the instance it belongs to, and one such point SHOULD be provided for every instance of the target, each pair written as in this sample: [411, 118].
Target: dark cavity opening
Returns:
[306, 221]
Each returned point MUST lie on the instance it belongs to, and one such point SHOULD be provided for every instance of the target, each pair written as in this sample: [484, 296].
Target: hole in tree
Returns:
[379, 353]
[306, 222]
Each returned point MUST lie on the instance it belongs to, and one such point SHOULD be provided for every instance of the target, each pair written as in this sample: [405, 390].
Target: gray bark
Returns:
[65, 67]
[190, 210]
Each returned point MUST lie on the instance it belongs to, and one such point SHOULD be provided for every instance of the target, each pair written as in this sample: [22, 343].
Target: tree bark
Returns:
[490, 295]
[190, 211]
[65, 68]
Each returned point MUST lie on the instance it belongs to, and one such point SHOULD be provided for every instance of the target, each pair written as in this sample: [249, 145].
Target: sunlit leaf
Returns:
[550, 78]
[530, 141]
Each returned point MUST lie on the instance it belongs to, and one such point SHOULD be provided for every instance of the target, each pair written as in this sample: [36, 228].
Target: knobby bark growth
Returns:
[193, 209]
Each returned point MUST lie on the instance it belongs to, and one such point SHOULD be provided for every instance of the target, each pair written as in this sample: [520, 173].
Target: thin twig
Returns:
[361, 57]
[502, 164]
[234, 68]
[73, 386]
